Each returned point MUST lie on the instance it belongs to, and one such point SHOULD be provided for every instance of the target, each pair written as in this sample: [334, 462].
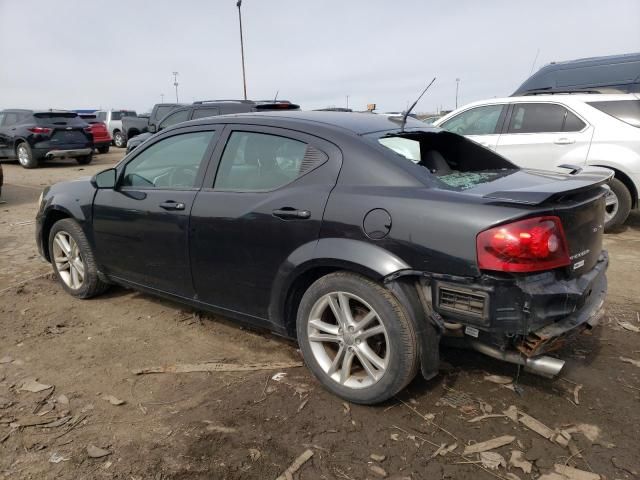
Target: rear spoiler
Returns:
[577, 180]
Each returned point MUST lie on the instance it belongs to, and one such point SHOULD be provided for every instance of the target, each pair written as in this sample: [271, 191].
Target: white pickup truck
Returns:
[113, 120]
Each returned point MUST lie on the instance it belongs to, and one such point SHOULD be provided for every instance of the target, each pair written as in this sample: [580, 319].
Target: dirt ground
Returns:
[248, 425]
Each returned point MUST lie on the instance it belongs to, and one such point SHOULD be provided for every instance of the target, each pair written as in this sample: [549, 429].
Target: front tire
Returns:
[118, 140]
[25, 156]
[72, 260]
[356, 338]
[618, 205]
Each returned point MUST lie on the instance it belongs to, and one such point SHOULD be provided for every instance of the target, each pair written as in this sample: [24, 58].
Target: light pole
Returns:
[162, 98]
[347, 102]
[175, 84]
[244, 77]
[457, 86]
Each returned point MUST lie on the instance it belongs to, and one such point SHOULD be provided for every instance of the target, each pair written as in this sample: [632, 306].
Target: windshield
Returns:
[454, 162]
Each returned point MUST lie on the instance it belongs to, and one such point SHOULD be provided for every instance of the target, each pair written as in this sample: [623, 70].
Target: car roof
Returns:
[359, 123]
[558, 97]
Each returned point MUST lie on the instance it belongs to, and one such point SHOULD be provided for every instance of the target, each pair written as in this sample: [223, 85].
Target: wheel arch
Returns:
[625, 179]
[317, 259]
[52, 216]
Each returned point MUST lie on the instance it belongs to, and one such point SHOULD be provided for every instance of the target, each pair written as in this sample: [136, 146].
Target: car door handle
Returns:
[172, 205]
[564, 141]
[288, 213]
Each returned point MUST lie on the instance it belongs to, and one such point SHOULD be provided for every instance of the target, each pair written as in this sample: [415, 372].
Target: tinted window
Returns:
[176, 117]
[626, 110]
[102, 116]
[257, 161]
[162, 111]
[123, 113]
[10, 118]
[572, 123]
[476, 121]
[1, 118]
[205, 112]
[598, 74]
[169, 163]
[536, 118]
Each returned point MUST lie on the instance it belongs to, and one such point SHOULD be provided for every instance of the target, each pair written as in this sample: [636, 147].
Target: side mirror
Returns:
[152, 128]
[105, 179]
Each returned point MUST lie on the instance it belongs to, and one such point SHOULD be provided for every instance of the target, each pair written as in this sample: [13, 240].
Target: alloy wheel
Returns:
[611, 206]
[23, 155]
[348, 340]
[68, 260]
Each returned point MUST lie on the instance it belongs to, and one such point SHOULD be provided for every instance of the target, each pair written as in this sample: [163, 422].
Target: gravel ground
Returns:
[248, 425]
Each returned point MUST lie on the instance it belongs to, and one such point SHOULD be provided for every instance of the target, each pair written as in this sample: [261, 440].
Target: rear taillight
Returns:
[42, 130]
[528, 245]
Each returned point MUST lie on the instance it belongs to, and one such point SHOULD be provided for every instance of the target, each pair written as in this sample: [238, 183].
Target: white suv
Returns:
[546, 131]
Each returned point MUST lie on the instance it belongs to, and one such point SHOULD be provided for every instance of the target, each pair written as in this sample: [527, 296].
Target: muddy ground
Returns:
[246, 425]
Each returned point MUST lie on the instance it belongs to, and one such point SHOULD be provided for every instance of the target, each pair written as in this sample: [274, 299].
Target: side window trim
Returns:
[512, 107]
[204, 166]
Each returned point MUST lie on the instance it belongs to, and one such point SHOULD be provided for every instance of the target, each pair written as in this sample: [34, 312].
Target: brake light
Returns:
[42, 130]
[527, 245]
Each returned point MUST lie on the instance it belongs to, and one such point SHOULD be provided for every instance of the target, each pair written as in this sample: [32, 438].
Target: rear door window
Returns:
[257, 162]
[475, 121]
[161, 112]
[10, 118]
[174, 118]
[627, 111]
[543, 118]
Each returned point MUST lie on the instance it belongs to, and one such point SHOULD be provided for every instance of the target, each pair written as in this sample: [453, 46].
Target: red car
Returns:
[101, 137]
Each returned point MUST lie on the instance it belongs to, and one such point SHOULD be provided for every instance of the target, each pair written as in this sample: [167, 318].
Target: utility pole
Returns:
[175, 84]
[457, 86]
[244, 77]
[162, 98]
[347, 101]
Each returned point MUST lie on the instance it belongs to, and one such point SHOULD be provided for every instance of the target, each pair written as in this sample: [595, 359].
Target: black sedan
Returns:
[366, 239]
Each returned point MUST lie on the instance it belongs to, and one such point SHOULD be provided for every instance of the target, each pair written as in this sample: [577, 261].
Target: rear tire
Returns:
[362, 361]
[118, 139]
[85, 160]
[69, 251]
[618, 205]
[25, 156]
[103, 149]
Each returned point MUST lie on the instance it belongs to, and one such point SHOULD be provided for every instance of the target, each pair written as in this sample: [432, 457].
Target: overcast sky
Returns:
[120, 54]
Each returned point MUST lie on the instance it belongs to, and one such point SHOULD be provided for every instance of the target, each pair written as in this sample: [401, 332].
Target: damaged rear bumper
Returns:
[520, 318]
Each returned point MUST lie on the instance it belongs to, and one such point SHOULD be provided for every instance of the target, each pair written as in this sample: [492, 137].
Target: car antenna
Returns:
[406, 114]
[276, 97]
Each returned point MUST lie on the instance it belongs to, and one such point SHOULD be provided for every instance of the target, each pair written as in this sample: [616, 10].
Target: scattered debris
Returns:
[295, 466]
[535, 425]
[96, 452]
[5, 403]
[32, 385]
[255, 454]
[630, 360]
[216, 367]
[576, 390]
[575, 474]
[377, 458]
[303, 404]
[444, 449]
[498, 379]
[219, 428]
[629, 326]
[616, 463]
[517, 460]
[492, 460]
[395, 437]
[32, 421]
[489, 444]
[6, 359]
[379, 471]
[113, 400]
[592, 432]
[511, 413]
[57, 458]
[511, 476]
[62, 400]
[278, 377]
[346, 407]
[485, 416]
[57, 423]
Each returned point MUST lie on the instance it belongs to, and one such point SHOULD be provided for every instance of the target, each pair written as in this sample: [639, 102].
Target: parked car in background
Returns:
[31, 136]
[547, 131]
[132, 126]
[315, 225]
[611, 74]
[113, 120]
[1, 180]
[101, 138]
[210, 108]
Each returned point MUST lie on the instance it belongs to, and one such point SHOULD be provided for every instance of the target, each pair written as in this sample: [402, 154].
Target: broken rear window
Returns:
[455, 162]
